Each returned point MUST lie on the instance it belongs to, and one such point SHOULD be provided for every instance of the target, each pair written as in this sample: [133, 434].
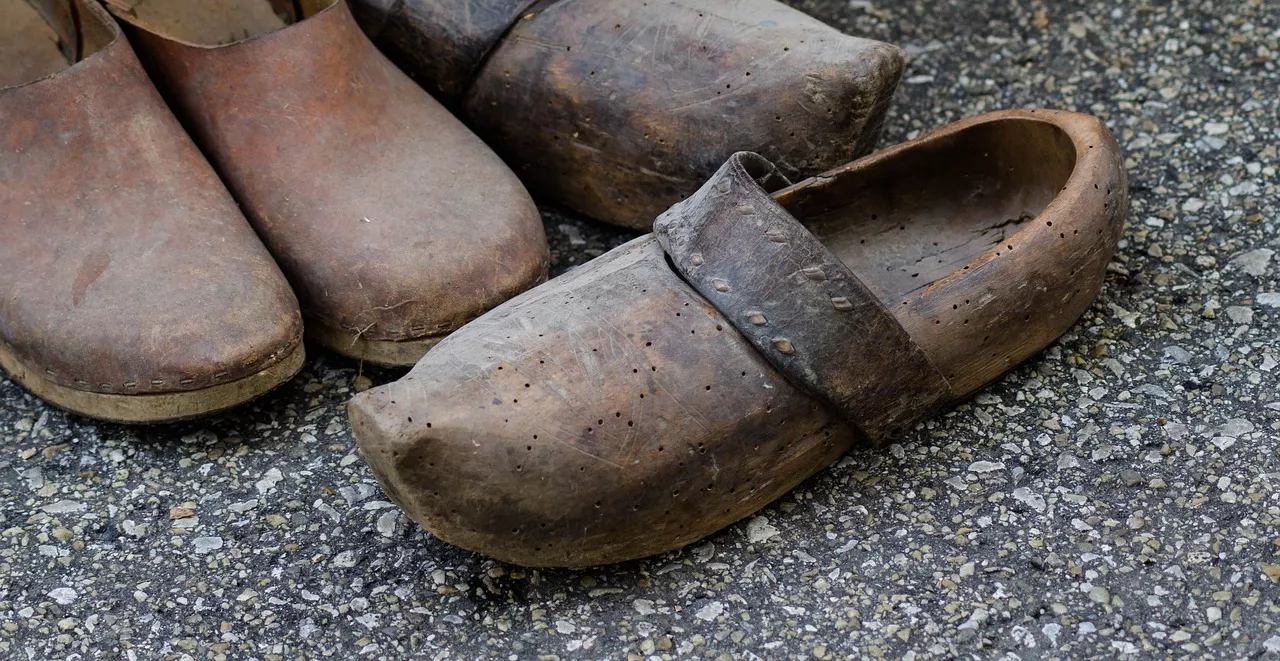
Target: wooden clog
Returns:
[688, 378]
[619, 108]
[394, 223]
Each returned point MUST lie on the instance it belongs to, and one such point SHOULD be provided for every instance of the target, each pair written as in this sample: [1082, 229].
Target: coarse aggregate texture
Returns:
[1116, 496]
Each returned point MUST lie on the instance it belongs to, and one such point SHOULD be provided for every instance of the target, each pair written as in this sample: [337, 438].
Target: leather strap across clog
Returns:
[797, 304]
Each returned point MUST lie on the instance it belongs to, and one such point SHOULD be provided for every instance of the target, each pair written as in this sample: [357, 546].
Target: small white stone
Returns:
[64, 507]
[1223, 442]
[1243, 188]
[206, 544]
[356, 492]
[1240, 315]
[387, 523]
[1152, 390]
[759, 530]
[986, 466]
[1235, 428]
[269, 480]
[63, 596]
[710, 612]
[242, 507]
[1254, 262]
[1177, 354]
[1126, 317]
[35, 478]
[1033, 500]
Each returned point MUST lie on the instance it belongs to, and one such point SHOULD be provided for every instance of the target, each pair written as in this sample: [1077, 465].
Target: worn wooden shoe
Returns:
[394, 223]
[619, 109]
[131, 287]
[689, 377]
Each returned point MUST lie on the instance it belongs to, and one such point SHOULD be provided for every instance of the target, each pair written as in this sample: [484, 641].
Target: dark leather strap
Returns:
[809, 315]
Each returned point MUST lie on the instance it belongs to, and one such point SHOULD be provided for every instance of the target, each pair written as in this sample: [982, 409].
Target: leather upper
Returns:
[391, 219]
[126, 266]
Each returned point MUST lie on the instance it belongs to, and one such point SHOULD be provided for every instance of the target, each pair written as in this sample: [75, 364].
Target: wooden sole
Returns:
[145, 409]
[377, 352]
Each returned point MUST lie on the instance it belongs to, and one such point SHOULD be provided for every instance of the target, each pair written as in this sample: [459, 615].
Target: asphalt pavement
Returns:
[1115, 496]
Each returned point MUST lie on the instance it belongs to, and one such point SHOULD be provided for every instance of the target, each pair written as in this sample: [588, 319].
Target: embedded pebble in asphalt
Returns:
[1116, 496]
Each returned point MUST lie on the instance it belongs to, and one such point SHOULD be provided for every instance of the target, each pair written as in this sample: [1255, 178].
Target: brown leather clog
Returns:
[619, 109]
[394, 223]
[688, 378]
[131, 287]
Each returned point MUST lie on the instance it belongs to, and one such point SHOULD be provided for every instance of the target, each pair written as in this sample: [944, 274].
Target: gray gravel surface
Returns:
[1115, 496]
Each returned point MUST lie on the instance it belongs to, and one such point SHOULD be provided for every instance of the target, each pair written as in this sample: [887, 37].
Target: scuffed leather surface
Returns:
[797, 304]
[391, 219]
[125, 265]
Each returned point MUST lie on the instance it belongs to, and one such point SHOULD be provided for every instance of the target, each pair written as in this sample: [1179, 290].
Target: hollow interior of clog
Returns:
[32, 47]
[216, 22]
[924, 213]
